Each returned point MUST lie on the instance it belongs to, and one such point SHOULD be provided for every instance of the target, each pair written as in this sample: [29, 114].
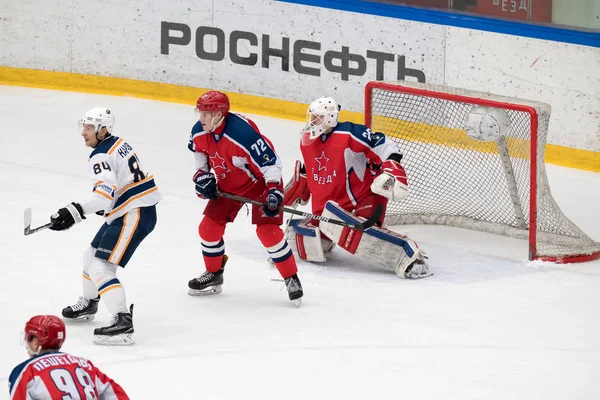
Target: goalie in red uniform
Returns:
[52, 374]
[348, 170]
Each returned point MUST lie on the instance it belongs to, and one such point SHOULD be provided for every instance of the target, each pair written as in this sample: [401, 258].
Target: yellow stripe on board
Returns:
[555, 154]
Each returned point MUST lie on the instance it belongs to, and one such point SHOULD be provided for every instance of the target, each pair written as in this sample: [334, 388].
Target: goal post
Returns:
[475, 160]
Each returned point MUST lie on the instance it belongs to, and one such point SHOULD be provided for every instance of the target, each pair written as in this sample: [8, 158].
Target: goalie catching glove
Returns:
[392, 182]
[66, 217]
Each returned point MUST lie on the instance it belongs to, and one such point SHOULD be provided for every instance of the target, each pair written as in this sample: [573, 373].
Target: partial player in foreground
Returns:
[51, 374]
[126, 196]
[232, 156]
[348, 170]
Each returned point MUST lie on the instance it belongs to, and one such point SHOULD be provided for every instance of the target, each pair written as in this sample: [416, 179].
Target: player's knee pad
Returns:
[306, 240]
[88, 256]
[269, 234]
[384, 247]
[211, 230]
[102, 271]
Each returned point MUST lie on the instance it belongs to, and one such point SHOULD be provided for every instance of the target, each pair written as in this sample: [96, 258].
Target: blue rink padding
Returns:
[378, 233]
[460, 20]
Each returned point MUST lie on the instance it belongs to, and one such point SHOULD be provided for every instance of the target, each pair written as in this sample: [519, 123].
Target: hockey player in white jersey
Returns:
[126, 196]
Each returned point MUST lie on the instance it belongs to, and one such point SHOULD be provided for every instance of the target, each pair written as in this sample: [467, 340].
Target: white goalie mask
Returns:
[99, 117]
[322, 114]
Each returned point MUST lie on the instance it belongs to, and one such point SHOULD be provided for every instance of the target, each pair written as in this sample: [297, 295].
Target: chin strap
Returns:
[34, 353]
[217, 124]
[108, 134]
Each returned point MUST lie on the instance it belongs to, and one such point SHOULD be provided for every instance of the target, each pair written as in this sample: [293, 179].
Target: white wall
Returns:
[563, 75]
[584, 13]
[122, 38]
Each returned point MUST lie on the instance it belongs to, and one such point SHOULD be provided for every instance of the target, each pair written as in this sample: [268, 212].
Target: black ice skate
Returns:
[209, 282]
[417, 270]
[83, 310]
[294, 288]
[119, 332]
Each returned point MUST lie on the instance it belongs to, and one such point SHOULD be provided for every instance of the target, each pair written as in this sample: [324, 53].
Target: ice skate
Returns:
[417, 270]
[208, 283]
[83, 310]
[294, 288]
[118, 333]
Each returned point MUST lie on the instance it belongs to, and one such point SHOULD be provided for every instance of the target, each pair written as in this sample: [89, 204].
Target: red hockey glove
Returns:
[296, 190]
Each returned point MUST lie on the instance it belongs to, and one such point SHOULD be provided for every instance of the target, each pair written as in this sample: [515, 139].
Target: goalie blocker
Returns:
[380, 246]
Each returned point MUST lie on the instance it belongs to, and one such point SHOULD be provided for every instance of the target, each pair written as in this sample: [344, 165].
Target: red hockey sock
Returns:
[213, 247]
[271, 236]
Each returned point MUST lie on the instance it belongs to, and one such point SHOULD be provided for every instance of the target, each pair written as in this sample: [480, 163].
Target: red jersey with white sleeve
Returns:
[58, 375]
[341, 165]
[238, 154]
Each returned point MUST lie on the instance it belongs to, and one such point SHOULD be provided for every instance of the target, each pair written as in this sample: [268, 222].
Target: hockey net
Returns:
[499, 186]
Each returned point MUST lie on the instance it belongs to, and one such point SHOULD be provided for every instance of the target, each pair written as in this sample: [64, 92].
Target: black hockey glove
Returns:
[206, 185]
[273, 200]
[66, 217]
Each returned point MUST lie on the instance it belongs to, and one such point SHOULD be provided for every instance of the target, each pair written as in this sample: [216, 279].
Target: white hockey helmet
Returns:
[322, 114]
[99, 117]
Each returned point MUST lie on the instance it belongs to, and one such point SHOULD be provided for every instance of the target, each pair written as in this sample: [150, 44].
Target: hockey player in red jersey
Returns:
[232, 156]
[348, 170]
[51, 374]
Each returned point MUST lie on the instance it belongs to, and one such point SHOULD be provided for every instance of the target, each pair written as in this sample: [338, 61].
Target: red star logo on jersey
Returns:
[322, 160]
[218, 162]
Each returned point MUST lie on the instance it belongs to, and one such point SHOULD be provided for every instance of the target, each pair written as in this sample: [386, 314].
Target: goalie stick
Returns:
[27, 223]
[369, 222]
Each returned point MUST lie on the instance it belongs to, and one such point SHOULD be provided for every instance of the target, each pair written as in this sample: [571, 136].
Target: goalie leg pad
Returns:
[306, 240]
[389, 249]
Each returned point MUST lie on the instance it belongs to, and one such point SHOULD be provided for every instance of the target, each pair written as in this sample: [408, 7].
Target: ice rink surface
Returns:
[487, 325]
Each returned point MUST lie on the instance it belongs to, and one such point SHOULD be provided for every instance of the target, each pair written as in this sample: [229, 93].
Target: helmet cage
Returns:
[322, 114]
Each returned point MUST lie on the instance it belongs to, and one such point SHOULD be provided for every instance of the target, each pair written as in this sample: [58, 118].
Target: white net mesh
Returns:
[456, 180]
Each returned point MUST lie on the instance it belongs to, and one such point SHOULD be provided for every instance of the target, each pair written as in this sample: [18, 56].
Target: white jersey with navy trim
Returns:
[120, 182]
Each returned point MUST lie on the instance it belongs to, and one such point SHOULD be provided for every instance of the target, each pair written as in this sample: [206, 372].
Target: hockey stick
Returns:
[369, 222]
[27, 224]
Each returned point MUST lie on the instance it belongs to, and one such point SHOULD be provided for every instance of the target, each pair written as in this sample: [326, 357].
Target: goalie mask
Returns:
[100, 117]
[322, 115]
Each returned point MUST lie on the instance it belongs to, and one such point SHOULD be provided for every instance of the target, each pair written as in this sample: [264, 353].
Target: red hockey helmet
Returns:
[213, 101]
[49, 330]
